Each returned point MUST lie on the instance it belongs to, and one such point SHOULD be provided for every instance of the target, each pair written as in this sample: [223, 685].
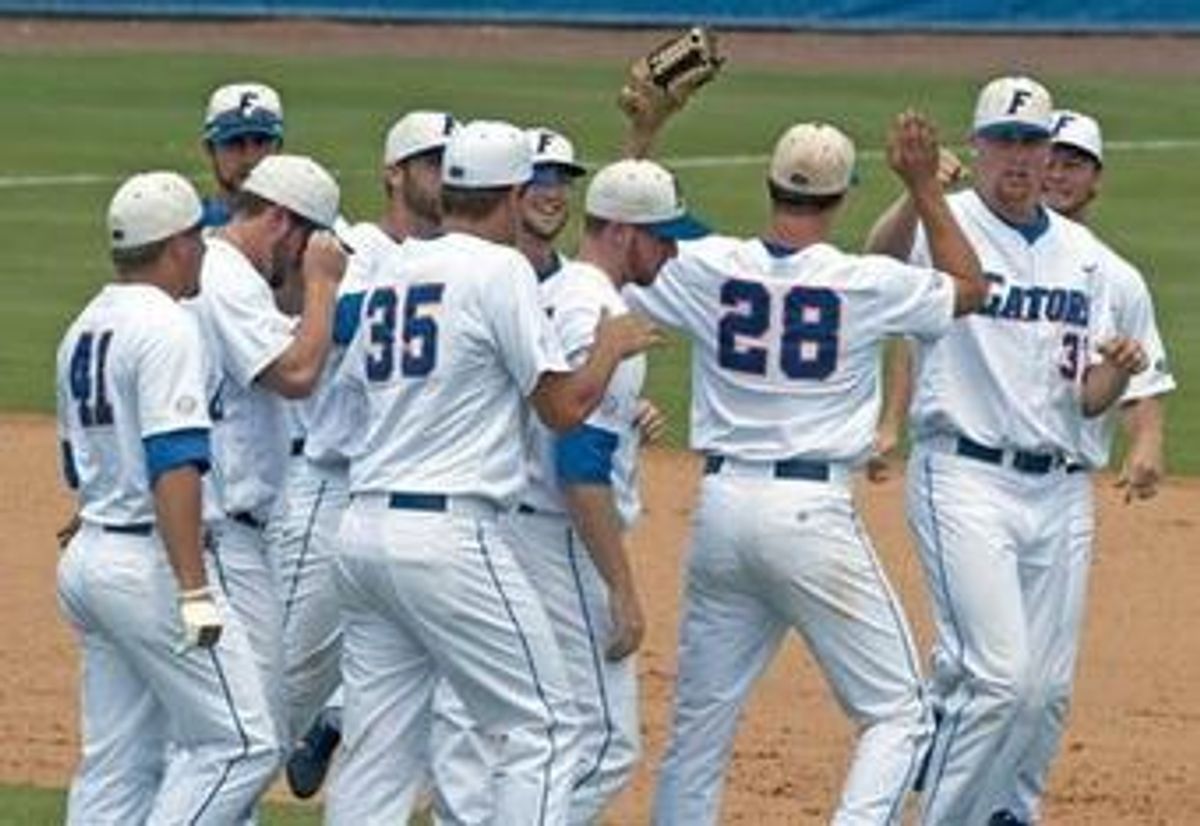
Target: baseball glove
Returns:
[660, 83]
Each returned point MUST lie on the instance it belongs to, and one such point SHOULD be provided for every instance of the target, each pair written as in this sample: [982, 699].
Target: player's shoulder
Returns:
[227, 272]
[580, 285]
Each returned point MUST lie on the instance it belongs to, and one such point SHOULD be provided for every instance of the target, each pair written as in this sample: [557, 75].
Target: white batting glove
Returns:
[202, 623]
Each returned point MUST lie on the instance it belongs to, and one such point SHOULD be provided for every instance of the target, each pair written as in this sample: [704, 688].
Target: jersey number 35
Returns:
[418, 331]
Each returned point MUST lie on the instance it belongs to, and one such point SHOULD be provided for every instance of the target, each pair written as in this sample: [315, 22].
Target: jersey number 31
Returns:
[418, 332]
[808, 345]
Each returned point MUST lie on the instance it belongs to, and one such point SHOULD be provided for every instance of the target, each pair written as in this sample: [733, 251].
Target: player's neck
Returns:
[599, 256]
[496, 227]
[253, 245]
[797, 231]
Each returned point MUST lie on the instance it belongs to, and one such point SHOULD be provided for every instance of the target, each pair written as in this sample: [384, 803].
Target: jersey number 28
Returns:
[418, 332]
[88, 384]
[808, 345]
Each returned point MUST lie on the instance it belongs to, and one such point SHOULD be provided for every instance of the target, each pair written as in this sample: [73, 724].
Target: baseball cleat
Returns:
[309, 763]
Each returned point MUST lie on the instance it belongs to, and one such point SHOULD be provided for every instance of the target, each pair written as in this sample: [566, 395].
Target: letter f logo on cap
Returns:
[1019, 98]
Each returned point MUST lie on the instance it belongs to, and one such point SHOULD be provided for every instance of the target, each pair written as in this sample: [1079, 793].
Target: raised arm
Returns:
[914, 155]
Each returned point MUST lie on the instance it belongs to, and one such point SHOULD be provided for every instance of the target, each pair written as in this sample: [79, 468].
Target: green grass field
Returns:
[108, 115]
[46, 807]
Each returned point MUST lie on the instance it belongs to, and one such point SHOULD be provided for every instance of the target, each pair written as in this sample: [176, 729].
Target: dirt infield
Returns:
[1132, 753]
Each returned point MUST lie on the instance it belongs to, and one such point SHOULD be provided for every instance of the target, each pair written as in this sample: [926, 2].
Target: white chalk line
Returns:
[83, 179]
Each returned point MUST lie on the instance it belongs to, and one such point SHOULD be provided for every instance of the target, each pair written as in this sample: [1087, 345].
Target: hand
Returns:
[628, 625]
[912, 150]
[883, 454]
[1125, 354]
[202, 623]
[1141, 473]
[324, 257]
[627, 334]
[650, 421]
[951, 171]
[67, 532]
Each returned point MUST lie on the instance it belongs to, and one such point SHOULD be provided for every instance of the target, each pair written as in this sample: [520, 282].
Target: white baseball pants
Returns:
[431, 595]
[303, 538]
[604, 693]
[1033, 772]
[170, 735]
[993, 543]
[768, 555]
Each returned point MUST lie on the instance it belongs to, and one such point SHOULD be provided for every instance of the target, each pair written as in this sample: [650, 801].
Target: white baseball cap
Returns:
[1079, 131]
[642, 193]
[813, 159]
[152, 206]
[416, 133]
[298, 184]
[243, 109]
[487, 154]
[1009, 108]
[553, 151]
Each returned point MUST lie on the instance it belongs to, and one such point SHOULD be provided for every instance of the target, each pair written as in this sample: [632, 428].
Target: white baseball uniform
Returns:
[451, 343]
[995, 415]
[131, 405]
[602, 451]
[785, 390]
[1133, 316]
[244, 333]
[315, 497]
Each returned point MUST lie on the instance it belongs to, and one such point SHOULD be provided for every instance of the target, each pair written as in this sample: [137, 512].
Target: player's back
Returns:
[445, 356]
[786, 342]
[110, 397]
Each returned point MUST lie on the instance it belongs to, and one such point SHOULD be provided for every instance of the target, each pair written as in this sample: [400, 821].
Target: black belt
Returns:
[1076, 467]
[523, 508]
[1025, 461]
[136, 529]
[783, 469]
[404, 501]
[297, 447]
[248, 519]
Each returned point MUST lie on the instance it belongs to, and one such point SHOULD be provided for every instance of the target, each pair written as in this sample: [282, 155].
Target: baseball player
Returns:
[785, 335]
[1071, 185]
[242, 125]
[452, 344]
[260, 356]
[581, 498]
[164, 660]
[998, 410]
[545, 202]
[316, 493]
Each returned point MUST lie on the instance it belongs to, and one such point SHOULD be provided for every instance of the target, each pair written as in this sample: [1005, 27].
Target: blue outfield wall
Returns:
[984, 15]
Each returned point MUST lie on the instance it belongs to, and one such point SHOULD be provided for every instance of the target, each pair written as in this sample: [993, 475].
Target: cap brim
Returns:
[1087, 152]
[553, 172]
[225, 133]
[683, 228]
[1013, 131]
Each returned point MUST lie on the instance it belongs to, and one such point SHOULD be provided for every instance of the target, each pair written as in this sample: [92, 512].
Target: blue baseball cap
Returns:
[239, 109]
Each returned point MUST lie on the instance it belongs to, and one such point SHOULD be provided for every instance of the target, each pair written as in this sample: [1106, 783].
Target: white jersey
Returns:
[1009, 376]
[131, 366]
[785, 345]
[1133, 315]
[451, 344]
[244, 332]
[334, 413]
[573, 298]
